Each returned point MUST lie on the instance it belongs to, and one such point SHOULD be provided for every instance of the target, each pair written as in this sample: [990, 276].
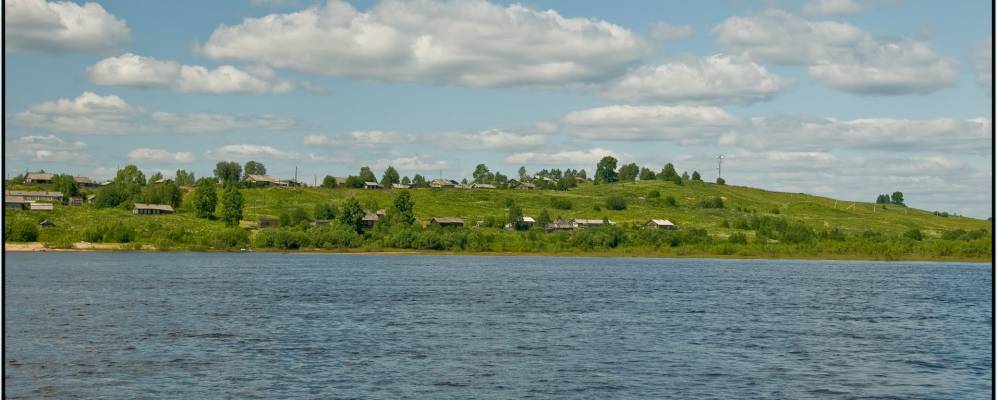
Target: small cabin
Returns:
[523, 186]
[482, 186]
[38, 177]
[443, 183]
[369, 219]
[372, 185]
[15, 202]
[30, 195]
[76, 201]
[529, 221]
[151, 209]
[261, 180]
[401, 186]
[447, 221]
[660, 224]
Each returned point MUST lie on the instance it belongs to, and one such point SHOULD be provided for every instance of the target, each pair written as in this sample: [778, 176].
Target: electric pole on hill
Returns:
[720, 160]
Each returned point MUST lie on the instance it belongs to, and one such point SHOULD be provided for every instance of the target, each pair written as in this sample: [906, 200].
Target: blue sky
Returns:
[833, 97]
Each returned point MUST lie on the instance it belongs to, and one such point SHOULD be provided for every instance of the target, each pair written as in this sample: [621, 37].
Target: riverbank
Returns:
[125, 247]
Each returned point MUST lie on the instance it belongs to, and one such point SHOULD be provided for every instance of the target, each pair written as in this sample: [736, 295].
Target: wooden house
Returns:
[660, 224]
[447, 221]
[151, 209]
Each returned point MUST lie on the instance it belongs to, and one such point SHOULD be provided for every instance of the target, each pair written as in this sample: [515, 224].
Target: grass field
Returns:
[587, 201]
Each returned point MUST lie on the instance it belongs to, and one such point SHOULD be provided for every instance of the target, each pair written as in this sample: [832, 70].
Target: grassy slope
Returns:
[473, 205]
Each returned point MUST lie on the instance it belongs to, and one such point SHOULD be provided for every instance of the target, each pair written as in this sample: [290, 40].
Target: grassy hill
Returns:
[854, 219]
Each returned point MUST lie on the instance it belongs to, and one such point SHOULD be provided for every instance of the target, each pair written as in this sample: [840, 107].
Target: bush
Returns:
[20, 231]
[737, 238]
[654, 194]
[914, 234]
[713, 202]
[616, 203]
[560, 204]
[229, 238]
[119, 232]
[671, 201]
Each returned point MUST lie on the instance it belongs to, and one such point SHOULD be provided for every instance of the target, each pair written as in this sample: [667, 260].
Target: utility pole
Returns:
[295, 174]
[720, 160]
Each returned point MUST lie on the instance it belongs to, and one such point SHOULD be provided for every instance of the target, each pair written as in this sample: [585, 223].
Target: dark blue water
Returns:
[176, 325]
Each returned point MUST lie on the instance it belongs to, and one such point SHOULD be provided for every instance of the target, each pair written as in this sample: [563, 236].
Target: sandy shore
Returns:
[79, 246]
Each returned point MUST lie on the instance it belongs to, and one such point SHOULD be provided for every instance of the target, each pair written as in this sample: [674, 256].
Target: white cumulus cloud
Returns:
[47, 148]
[474, 43]
[492, 139]
[833, 7]
[714, 79]
[160, 156]
[359, 139]
[134, 70]
[562, 158]
[62, 27]
[681, 124]
[247, 151]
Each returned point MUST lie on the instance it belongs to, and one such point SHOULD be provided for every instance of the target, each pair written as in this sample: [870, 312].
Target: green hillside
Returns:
[839, 229]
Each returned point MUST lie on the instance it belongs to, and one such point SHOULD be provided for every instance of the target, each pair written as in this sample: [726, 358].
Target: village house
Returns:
[482, 186]
[83, 181]
[401, 186]
[371, 218]
[91, 198]
[443, 183]
[38, 177]
[447, 221]
[372, 185]
[151, 209]
[267, 222]
[522, 185]
[46, 223]
[36, 195]
[660, 224]
[15, 202]
[161, 181]
[588, 223]
[319, 222]
[261, 180]
[559, 225]
[76, 201]
[527, 222]
[289, 183]
[39, 206]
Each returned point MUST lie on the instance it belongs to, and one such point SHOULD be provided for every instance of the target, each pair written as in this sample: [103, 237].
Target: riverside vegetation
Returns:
[714, 219]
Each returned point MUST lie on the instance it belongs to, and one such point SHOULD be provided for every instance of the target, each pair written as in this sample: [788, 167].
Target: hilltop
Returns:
[751, 223]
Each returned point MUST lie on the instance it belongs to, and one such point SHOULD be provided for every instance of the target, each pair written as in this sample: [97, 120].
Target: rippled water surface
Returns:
[189, 325]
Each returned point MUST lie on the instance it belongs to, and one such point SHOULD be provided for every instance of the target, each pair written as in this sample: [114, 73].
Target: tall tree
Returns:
[390, 177]
[522, 172]
[228, 171]
[628, 172]
[253, 168]
[155, 177]
[406, 180]
[367, 175]
[184, 178]
[515, 217]
[897, 198]
[605, 170]
[65, 184]
[481, 174]
[696, 176]
[329, 182]
[405, 207]
[130, 179]
[668, 172]
[543, 219]
[231, 206]
[646, 174]
[164, 193]
[352, 214]
[419, 181]
[204, 199]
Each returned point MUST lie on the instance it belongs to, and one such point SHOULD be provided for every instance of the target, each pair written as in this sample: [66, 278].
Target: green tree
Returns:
[184, 178]
[164, 193]
[65, 184]
[367, 175]
[329, 182]
[883, 199]
[522, 172]
[352, 215]
[253, 168]
[204, 199]
[914, 234]
[628, 172]
[228, 171]
[685, 175]
[406, 180]
[543, 219]
[405, 207]
[111, 196]
[231, 206]
[897, 198]
[605, 170]
[721, 181]
[481, 174]
[616, 203]
[516, 218]
[419, 181]
[325, 211]
[155, 177]
[668, 173]
[354, 181]
[646, 174]
[130, 180]
[390, 177]
[696, 176]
